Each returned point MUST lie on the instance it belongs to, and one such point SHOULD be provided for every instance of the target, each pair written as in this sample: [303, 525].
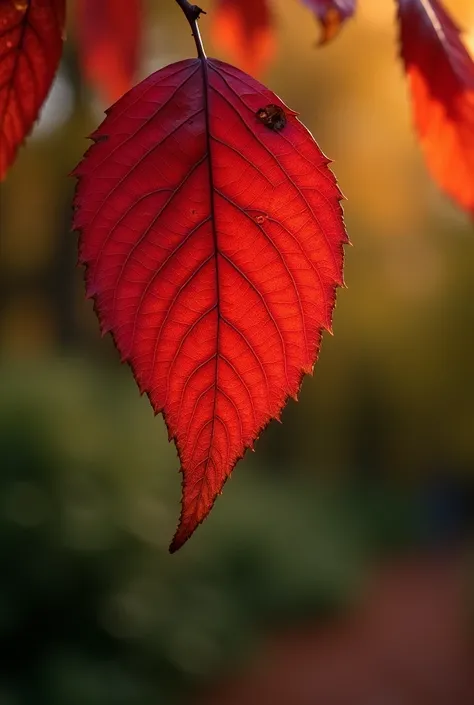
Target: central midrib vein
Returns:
[205, 82]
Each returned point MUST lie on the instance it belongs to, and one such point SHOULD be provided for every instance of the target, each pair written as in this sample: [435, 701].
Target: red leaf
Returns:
[441, 77]
[243, 29]
[30, 50]
[108, 33]
[331, 14]
[213, 246]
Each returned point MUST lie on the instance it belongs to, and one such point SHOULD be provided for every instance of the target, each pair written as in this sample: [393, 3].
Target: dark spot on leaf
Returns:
[273, 116]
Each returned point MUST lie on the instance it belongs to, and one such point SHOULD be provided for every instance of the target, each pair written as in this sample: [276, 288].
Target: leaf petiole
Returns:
[192, 14]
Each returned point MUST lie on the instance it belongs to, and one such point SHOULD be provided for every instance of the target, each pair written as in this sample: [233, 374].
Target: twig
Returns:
[192, 14]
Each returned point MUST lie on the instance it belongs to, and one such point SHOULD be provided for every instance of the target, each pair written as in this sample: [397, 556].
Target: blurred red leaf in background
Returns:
[441, 77]
[331, 15]
[212, 234]
[31, 41]
[244, 30]
[108, 37]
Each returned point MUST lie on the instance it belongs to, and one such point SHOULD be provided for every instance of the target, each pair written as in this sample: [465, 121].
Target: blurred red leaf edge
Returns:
[31, 42]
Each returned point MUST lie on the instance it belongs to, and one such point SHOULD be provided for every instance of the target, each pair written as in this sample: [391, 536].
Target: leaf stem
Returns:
[192, 14]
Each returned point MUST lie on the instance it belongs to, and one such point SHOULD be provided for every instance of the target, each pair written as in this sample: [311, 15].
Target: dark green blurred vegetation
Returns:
[92, 607]
[376, 459]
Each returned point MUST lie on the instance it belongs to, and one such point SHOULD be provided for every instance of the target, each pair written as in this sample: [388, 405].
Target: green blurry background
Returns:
[376, 461]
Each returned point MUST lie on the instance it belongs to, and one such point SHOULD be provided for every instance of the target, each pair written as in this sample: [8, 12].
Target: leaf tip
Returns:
[331, 20]
[184, 531]
[175, 545]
